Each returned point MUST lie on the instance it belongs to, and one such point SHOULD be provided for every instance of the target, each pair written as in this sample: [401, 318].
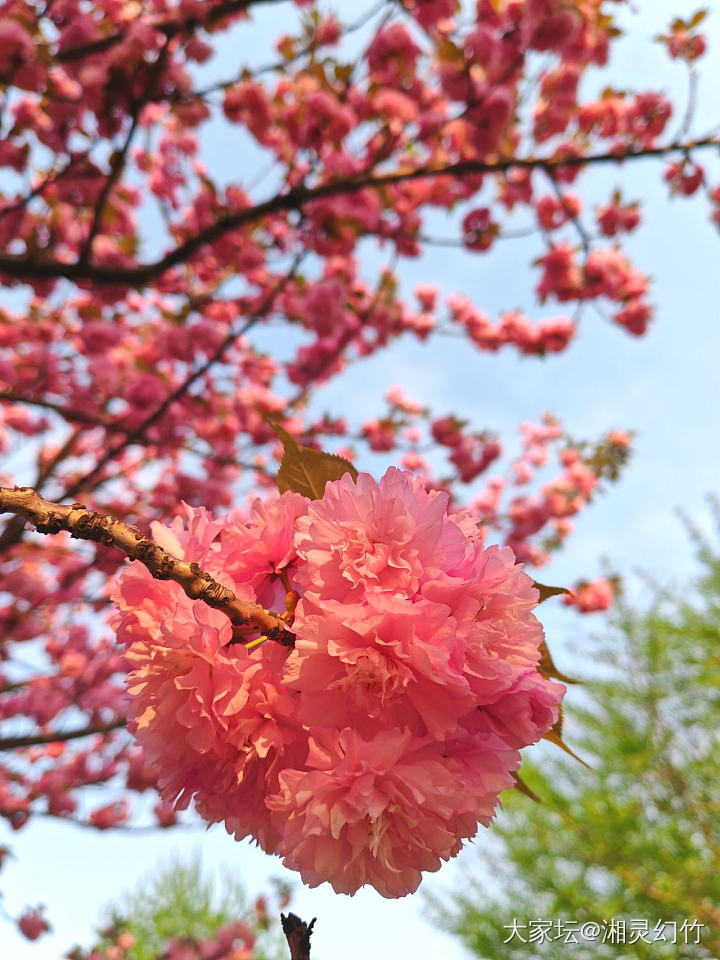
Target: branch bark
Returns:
[84, 524]
[21, 267]
[39, 739]
[297, 933]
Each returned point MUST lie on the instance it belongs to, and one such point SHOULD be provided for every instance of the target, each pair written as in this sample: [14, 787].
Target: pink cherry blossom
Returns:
[592, 595]
[411, 685]
[382, 810]
[32, 924]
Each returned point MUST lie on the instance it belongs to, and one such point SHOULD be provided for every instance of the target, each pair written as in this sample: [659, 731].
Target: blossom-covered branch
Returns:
[170, 27]
[22, 267]
[85, 524]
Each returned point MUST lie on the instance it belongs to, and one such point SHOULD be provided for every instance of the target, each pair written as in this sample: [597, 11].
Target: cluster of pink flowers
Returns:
[527, 511]
[589, 596]
[685, 178]
[32, 924]
[614, 218]
[606, 273]
[471, 454]
[684, 42]
[550, 335]
[370, 750]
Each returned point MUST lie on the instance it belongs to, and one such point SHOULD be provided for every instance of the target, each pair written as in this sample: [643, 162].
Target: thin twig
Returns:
[39, 739]
[691, 107]
[38, 189]
[573, 217]
[138, 433]
[282, 65]
[117, 164]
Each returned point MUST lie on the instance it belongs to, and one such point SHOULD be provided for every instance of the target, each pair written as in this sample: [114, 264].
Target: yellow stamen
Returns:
[255, 643]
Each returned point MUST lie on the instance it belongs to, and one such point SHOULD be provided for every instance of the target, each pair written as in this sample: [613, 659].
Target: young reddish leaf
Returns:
[306, 471]
[546, 592]
[698, 18]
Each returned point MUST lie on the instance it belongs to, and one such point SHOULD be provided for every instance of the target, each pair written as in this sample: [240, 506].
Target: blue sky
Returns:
[664, 386]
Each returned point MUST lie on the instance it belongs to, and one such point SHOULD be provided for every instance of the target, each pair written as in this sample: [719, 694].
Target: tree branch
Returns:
[119, 158]
[38, 189]
[38, 739]
[67, 413]
[297, 933]
[12, 534]
[85, 524]
[21, 267]
[171, 28]
[232, 337]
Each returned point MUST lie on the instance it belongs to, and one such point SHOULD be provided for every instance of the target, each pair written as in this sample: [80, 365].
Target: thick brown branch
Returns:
[57, 736]
[297, 933]
[28, 267]
[85, 524]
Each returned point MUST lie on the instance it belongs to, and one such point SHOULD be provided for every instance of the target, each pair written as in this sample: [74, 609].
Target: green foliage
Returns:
[179, 902]
[547, 592]
[305, 470]
[637, 837]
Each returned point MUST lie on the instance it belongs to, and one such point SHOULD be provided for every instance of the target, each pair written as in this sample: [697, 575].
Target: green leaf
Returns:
[555, 738]
[546, 592]
[306, 471]
[522, 787]
[547, 668]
